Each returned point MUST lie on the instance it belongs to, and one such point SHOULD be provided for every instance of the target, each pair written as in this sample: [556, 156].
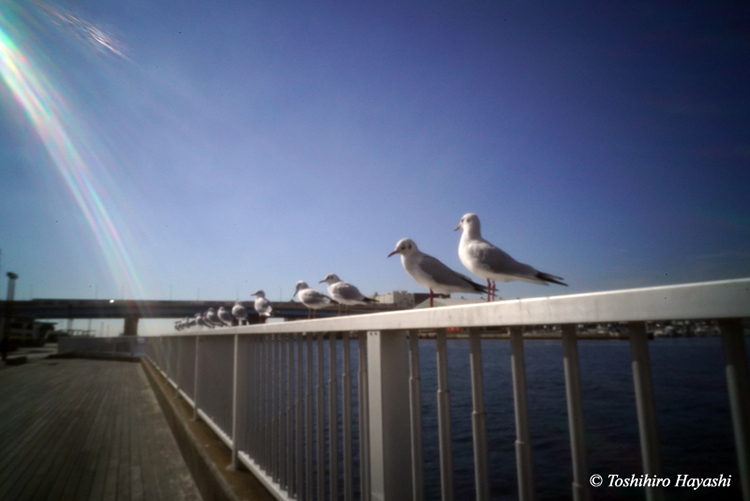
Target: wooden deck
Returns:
[86, 429]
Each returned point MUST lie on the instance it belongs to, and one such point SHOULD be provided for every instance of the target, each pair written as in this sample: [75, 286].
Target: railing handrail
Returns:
[703, 300]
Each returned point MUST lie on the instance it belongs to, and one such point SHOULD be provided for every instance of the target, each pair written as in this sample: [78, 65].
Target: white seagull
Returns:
[225, 315]
[487, 261]
[311, 298]
[344, 292]
[239, 312]
[431, 273]
[262, 305]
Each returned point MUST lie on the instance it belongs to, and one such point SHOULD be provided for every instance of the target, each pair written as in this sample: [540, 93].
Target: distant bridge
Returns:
[133, 310]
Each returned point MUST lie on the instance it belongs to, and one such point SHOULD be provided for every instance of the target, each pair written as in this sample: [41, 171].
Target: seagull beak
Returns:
[321, 281]
[457, 227]
[392, 253]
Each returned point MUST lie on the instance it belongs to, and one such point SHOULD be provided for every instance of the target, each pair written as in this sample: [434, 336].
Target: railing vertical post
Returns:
[321, 423]
[309, 420]
[196, 378]
[275, 408]
[300, 415]
[738, 386]
[415, 414]
[388, 383]
[333, 419]
[235, 401]
[444, 418]
[364, 417]
[645, 408]
[523, 437]
[572, 371]
[346, 400]
[290, 418]
[177, 368]
[263, 400]
[479, 419]
[283, 479]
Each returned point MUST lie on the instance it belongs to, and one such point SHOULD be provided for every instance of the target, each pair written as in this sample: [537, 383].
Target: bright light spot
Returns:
[111, 300]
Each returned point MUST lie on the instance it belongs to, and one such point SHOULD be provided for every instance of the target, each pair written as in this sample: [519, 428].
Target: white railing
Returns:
[261, 388]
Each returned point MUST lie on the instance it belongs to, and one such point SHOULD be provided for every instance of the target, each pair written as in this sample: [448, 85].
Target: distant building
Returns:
[28, 331]
[406, 300]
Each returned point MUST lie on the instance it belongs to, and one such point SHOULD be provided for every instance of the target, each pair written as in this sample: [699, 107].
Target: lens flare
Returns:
[70, 149]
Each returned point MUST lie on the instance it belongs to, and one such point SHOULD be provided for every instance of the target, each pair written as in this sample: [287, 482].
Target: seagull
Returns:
[262, 305]
[431, 273]
[199, 320]
[487, 261]
[225, 315]
[239, 312]
[311, 298]
[213, 318]
[206, 321]
[344, 292]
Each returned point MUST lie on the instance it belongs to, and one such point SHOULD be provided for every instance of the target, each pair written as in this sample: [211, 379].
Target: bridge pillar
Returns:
[131, 326]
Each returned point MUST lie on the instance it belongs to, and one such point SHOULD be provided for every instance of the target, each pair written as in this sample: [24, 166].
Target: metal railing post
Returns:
[523, 437]
[346, 400]
[738, 387]
[479, 419]
[415, 412]
[645, 409]
[572, 371]
[321, 421]
[364, 416]
[333, 419]
[445, 437]
[196, 379]
[235, 401]
[388, 388]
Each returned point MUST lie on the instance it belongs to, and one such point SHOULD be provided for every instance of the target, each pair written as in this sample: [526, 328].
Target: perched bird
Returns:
[311, 298]
[239, 312]
[225, 315]
[431, 273]
[344, 292]
[262, 305]
[199, 320]
[206, 321]
[487, 261]
[213, 318]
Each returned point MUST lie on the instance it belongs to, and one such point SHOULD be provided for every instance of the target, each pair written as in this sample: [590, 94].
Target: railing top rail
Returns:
[704, 300]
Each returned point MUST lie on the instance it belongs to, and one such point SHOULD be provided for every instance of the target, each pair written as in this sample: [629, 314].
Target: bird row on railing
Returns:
[477, 254]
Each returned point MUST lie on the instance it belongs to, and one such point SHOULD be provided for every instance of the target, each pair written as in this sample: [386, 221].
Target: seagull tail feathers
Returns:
[551, 278]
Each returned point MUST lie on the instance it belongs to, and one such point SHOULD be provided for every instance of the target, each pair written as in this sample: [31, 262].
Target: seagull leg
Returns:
[489, 290]
[431, 296]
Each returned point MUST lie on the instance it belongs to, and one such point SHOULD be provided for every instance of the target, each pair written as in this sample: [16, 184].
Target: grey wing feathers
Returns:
[442, 274]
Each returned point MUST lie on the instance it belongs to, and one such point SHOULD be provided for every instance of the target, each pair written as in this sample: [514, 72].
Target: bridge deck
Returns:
[86, 429]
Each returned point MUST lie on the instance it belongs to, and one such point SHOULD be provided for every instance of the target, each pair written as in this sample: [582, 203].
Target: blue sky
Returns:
[220, 148]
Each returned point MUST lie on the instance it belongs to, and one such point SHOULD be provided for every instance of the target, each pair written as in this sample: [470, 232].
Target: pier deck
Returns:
[86, 429]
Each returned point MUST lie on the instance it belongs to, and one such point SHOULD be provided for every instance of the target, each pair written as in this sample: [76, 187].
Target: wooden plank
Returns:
[85, 429]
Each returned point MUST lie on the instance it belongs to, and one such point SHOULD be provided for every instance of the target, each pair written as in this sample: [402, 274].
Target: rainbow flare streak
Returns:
[72, 155]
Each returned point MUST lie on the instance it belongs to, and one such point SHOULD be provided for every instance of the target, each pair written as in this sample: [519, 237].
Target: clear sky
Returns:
[155, 148]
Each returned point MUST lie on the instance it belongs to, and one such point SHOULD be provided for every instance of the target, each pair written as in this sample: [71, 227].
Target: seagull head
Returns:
[259, 293]
[331, 278]
[405, 246]
[470, 223]
[300, 286]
